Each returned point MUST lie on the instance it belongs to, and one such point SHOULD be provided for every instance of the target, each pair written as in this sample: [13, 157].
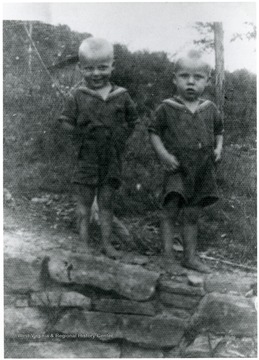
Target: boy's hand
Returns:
[217, 154]
[171, 162]
[67, 126]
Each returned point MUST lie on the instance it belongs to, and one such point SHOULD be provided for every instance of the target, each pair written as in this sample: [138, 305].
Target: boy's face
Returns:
[96, 71]
[191, 78]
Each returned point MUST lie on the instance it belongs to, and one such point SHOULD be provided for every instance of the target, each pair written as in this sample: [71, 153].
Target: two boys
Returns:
[186, 134]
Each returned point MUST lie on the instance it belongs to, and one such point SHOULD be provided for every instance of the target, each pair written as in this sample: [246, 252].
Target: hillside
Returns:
[39, 158]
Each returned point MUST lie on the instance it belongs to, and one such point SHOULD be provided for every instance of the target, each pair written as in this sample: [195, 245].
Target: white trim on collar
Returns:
[179, 105]
[114, 93]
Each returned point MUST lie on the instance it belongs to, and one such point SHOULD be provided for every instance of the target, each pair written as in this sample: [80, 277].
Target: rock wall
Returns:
[85, 306]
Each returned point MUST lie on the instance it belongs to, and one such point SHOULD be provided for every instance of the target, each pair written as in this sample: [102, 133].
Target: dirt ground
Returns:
[33, 229]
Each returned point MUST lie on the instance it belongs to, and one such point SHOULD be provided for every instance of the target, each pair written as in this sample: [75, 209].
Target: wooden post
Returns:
[219, 65]
[30, 51]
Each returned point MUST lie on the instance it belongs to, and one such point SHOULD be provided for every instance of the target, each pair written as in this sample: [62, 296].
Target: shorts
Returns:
[98, 165]
[195, 180]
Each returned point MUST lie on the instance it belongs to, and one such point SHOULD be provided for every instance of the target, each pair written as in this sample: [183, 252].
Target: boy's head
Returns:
[96, 62]
[191, 75]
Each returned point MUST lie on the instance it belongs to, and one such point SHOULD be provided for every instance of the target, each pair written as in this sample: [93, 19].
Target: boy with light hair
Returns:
[105, 115]
[187, 135]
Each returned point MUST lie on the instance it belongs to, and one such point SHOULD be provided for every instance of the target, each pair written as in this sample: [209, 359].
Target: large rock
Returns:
[61, 299]
[55, 349]
[130, 281]
[179, 301]
[153, 332]
[89, 325]
[200, 348]
[180, 288]
[121, 306]
[236, 348]
[150, 332]
[21, 276]
[203, 346]
[226, 314]
[228, 283]
[24, 323]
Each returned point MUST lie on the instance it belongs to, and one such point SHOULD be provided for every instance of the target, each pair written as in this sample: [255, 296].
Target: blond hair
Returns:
[95, 48]
[194, 55]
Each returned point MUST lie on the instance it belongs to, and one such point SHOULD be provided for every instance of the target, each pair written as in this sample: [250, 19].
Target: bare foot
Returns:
[81, 247]
[197, 265]
[170, 265]
[111, 252]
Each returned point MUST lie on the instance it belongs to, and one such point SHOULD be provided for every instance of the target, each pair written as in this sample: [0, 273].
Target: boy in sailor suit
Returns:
[187, 135]
[105, 116]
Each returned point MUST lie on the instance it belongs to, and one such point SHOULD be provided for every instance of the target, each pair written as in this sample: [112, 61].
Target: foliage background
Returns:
[39, 157]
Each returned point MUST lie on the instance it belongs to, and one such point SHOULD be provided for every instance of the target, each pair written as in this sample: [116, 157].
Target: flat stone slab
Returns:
[203, 346]
[134, 259]
[180, 288]
[226, 314]
[21, 276]
[179, 301]
[236, 348]
[195, 280]
[16, 300]
[133, 351]
[23, 323]
[131, 281]
[56, 349]
[152, 332]
[121, 306]
[59, 299]
[168, 312]
[228, 283]
[200, 348]
[89, 325]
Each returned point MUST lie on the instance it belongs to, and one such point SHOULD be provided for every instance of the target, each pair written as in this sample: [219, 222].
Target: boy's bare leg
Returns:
[105, 201]
[191, 261]
[169, 216]
[167, 233]
[84, 198]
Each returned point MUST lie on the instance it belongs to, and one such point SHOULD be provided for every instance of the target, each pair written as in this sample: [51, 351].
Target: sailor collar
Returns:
[177, 103]
[115, 91]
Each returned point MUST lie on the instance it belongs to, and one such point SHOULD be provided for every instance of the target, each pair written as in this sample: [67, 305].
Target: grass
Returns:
[231, 224]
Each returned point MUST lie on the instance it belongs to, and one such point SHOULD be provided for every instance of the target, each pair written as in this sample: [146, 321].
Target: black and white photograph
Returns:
[129, 179]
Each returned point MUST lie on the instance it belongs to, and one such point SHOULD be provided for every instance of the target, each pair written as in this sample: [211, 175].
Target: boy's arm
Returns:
[131, 114]
[67, 119]
[166, 158]
[218, 147]
[157, 127]
[122, 133]
[66, 125]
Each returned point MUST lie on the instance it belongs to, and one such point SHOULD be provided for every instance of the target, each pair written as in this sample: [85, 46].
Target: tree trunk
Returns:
[30, 52]
[219, 65]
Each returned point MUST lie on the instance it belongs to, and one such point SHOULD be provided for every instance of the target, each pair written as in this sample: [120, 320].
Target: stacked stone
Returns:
[87, 306]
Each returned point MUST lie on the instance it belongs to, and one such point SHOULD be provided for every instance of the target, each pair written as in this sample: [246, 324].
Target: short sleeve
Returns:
[158, 121]
[218, 122]
[131, 112]
[69, 112]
